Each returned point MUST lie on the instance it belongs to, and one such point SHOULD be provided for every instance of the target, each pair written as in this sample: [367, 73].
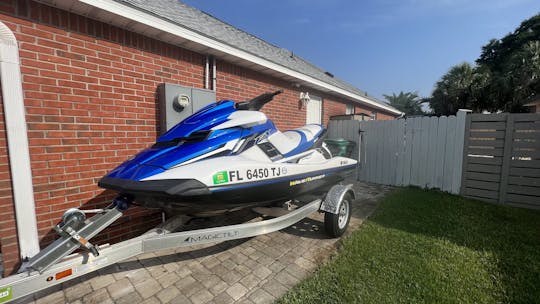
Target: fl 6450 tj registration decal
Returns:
[231, 176]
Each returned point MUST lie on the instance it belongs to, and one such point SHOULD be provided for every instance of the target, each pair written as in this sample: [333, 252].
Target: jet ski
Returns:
[229, 156]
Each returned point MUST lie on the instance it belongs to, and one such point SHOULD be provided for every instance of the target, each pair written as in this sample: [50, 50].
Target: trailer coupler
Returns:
[75, 231]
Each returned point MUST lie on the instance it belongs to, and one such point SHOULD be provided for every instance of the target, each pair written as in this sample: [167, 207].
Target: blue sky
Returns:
[380, 46]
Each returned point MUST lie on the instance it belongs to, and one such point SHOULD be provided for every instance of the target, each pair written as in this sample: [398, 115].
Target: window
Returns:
[349, 109]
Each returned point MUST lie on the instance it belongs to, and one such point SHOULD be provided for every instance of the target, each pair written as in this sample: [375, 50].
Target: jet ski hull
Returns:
[193, 197]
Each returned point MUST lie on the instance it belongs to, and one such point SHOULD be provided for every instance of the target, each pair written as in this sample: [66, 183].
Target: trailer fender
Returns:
[335, 196]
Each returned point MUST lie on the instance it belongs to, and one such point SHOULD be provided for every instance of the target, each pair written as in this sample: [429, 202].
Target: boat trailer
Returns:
[57, 263]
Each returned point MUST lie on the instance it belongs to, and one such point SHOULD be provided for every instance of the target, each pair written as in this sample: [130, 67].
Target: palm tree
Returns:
[409, 103]
[454, 91]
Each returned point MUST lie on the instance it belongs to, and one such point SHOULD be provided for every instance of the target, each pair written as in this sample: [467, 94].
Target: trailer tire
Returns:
[336, 224]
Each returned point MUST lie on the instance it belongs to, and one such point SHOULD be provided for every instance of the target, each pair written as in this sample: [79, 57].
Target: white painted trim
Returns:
[17, 138]
[169, 27]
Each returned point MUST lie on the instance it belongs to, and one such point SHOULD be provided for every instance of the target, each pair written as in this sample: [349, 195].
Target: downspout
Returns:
[206, 72]
[214, 78]
[17, 138]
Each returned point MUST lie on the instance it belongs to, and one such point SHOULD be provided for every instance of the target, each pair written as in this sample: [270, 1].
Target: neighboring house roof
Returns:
[213, 36]
[533, 101]
[532, 104]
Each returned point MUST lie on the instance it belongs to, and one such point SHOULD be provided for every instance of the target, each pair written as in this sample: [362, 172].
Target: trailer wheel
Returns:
[336, 224]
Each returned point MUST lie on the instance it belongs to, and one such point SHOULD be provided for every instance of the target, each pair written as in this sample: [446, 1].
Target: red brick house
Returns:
[89, 71]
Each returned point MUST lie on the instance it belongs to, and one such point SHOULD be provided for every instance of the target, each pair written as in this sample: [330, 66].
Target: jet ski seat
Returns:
[297, 140]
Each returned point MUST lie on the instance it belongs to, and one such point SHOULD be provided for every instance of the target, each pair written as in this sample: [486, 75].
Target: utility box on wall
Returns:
[177, 102]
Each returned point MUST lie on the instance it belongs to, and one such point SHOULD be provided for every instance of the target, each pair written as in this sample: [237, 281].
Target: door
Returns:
[314, 110]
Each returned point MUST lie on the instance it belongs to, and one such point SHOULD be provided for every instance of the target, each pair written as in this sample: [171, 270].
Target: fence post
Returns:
[464, 151]
[399, 133]
[408, 152]
[461, 120]
[360, 148]
[507, 157]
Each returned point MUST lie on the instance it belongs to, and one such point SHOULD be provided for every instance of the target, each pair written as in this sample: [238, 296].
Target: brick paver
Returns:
[255, 270]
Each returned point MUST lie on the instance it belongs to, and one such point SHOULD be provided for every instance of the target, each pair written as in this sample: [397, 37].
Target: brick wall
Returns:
[285, 110]
[369, 111]
[383, 116]
[243, 84]
[89, 93]
[331, 108]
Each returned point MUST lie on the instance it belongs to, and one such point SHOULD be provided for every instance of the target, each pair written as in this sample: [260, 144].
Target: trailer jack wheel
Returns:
[336, 224]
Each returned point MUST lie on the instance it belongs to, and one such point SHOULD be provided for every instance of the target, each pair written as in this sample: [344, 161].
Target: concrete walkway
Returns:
[254, 270]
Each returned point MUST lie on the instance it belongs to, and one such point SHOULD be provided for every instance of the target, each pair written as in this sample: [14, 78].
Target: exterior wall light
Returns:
[304, 99]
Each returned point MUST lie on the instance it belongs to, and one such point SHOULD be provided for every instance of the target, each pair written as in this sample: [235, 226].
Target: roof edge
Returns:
[162, 24]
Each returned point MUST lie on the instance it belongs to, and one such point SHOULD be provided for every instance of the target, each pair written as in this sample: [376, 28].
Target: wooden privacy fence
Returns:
[423, 151]
[501, 159]
[491, 157]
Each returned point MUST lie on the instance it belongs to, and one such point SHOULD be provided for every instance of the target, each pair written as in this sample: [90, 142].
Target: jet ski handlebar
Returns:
[258, 102]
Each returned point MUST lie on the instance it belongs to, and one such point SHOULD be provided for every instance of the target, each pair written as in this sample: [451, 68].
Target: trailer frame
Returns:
[55, 265]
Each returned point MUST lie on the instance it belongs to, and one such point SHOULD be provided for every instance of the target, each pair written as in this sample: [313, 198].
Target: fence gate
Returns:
[501, 159]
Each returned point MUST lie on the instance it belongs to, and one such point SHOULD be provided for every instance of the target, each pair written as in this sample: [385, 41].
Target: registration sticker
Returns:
[221, 177]
[6, 294]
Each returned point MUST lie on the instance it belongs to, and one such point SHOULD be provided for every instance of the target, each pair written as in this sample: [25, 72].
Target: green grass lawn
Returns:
[430, 247]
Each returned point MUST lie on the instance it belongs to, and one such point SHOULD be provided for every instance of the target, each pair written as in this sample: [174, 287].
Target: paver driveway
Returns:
[254, 270]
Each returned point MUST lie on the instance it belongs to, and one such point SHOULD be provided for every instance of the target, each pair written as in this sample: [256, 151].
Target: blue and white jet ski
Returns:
[229, 156]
